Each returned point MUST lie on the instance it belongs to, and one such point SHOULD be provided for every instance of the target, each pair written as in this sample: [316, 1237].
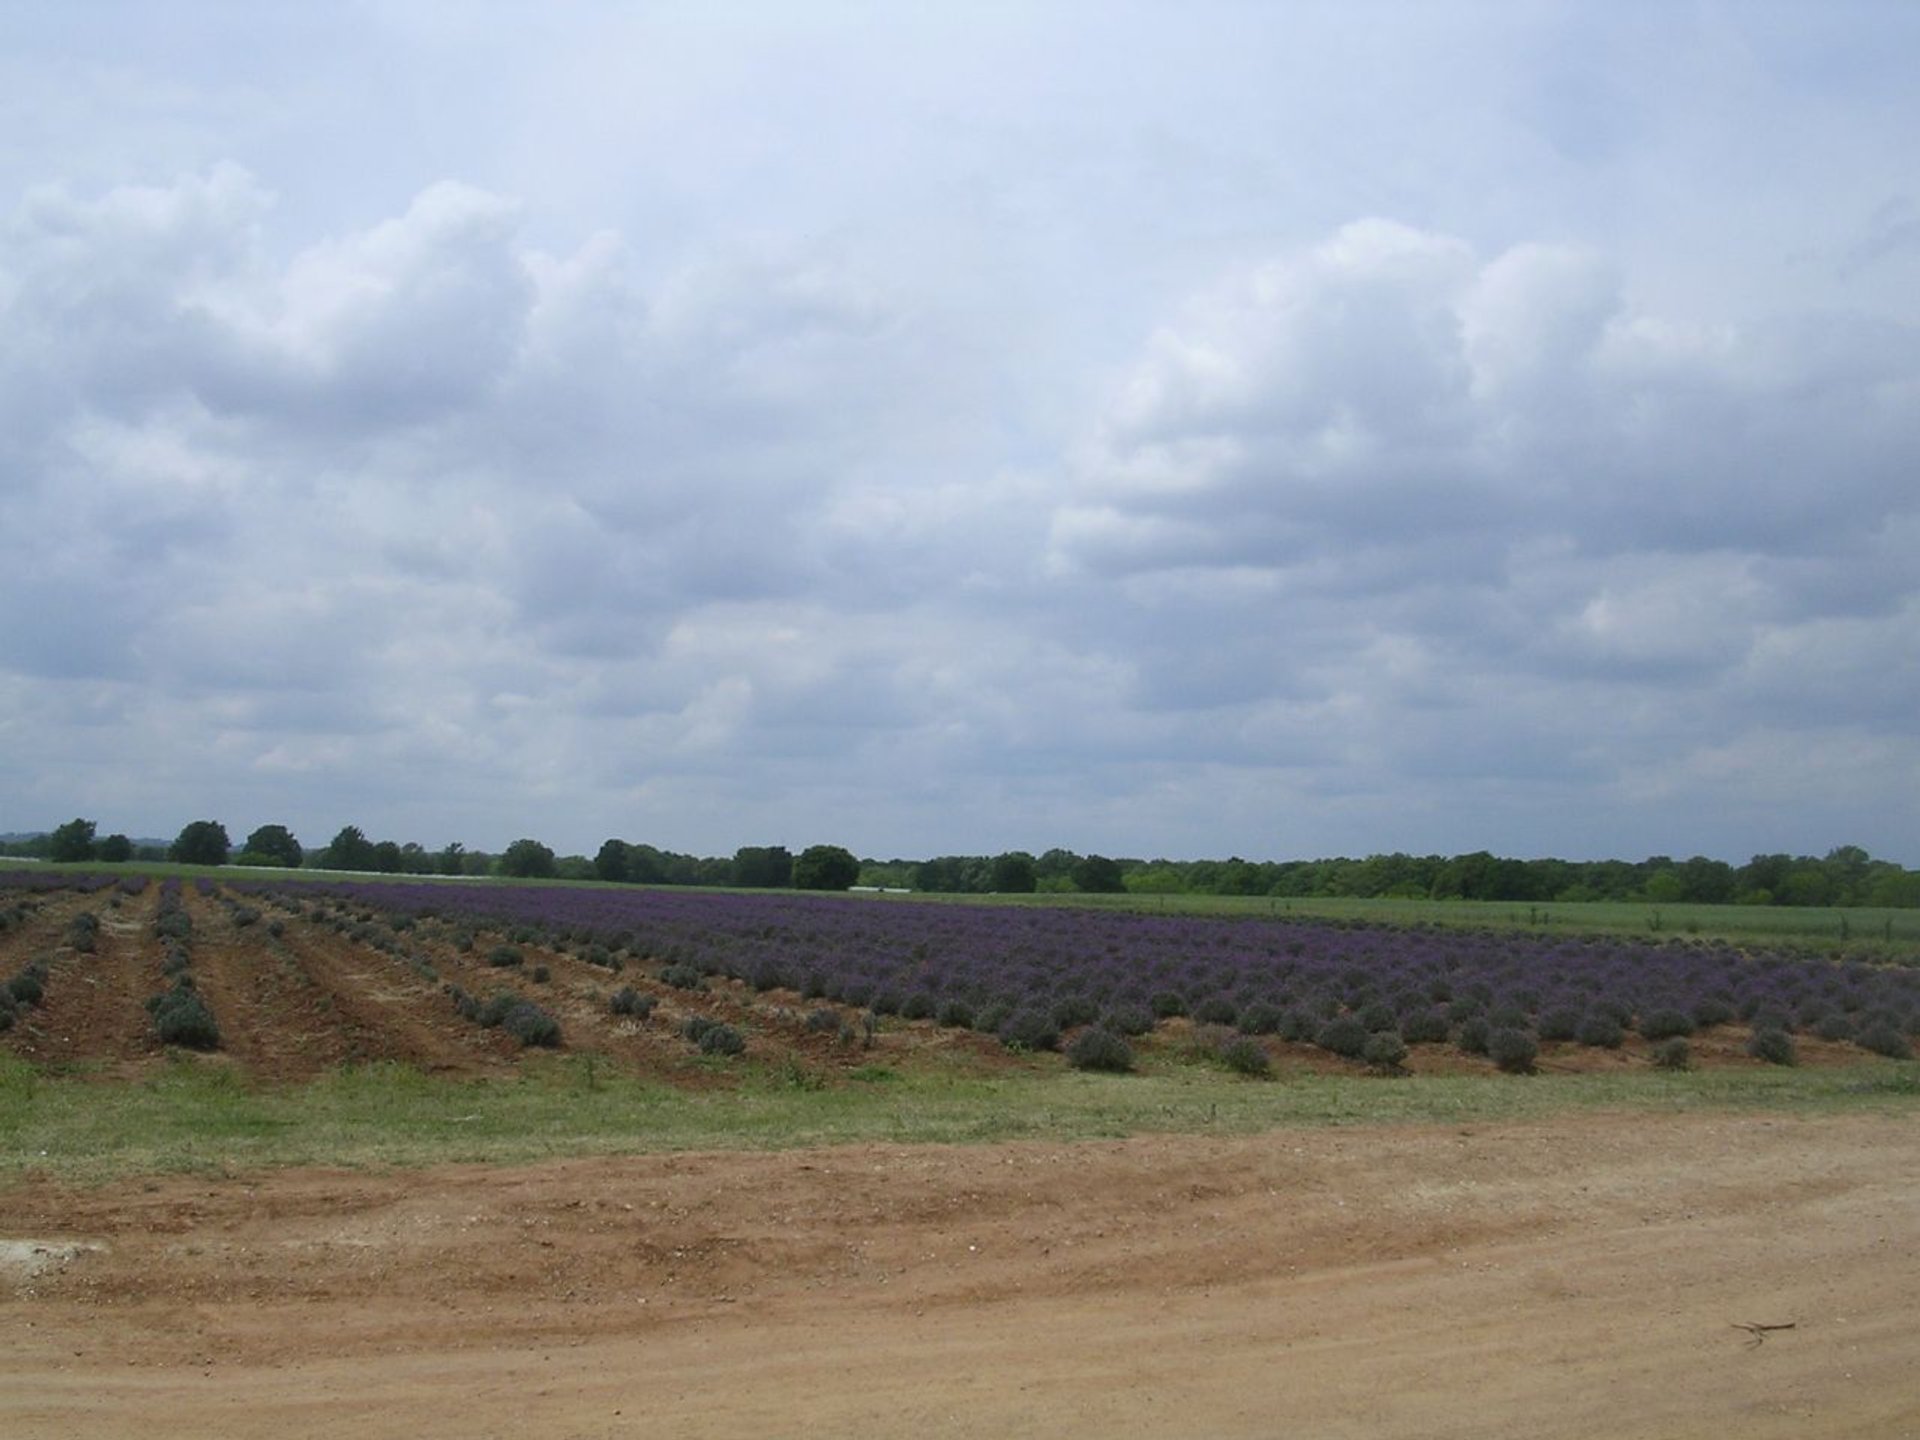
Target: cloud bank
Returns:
[920, 520]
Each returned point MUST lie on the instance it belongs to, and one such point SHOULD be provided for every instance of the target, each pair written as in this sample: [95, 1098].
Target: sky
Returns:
[1275, 430]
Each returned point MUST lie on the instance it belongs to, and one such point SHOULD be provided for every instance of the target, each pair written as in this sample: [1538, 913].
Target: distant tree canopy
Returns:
[610, 863]
[1845, 877]
[763, 867]
[825, 867]
[1097, 875]
[527, 860]
[71, 843]
[272, 845]
[348, 850]
[203, 842]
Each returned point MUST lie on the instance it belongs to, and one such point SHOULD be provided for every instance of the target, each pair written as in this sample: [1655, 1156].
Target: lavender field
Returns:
[1033, 974]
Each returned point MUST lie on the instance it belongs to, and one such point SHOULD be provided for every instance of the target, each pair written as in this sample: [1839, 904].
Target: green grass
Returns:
[198, 1116]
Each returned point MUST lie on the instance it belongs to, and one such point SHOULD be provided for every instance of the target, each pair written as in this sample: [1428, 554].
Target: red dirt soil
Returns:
[1576, 1277]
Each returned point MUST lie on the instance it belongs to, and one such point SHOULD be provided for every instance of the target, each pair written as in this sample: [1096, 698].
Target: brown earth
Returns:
[1576, 1277]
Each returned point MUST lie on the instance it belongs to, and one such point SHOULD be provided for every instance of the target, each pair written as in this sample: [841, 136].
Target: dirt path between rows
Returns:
[1577, 1277]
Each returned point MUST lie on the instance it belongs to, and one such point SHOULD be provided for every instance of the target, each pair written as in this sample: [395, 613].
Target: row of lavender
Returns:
[1285, 976]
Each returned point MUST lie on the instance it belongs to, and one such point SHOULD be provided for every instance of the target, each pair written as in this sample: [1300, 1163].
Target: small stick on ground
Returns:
[1759, 1332]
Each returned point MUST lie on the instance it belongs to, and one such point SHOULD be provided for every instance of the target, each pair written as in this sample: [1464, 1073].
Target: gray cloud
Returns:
[1256, 437]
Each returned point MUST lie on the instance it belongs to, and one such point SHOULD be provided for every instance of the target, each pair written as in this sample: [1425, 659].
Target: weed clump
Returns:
[531, 1026]
[1514, 1051]
[181, 1017]
[1098, 1049]
[629, 1001]
[1385, 1051]
[1029, 1030]
[1882, 1038]
[1345, 1036]
[683, 977]
[1673, 1053]
[1246, 1056]
[1600, 1030]
[1773, 1045]
[712, 1036]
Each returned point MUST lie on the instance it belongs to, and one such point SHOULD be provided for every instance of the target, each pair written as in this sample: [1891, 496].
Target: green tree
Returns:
[116, 849]
[387, 858]
[527, 860]
[1013, 873]
[203, 842]
[611, 863]
[276, 845]
[348, 850]
[448, 862]
[825, 867]
[71, 843]
[763, 867]
[1097, 875]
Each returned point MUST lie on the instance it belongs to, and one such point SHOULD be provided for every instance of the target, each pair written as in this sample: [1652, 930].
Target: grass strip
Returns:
[198, 1117]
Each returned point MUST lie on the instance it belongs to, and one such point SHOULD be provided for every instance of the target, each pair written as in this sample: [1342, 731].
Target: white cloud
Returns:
[865, 427]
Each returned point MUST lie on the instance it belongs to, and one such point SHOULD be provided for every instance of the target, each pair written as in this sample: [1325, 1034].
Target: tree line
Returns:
[1846, 876]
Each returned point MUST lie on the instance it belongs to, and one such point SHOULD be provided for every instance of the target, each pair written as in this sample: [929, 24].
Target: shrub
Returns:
[1475, 1033]
[918, 1005]
[174, 925]
[1424, 1026]
[1514, 1051]
[245, 915]
[1673, 1053]
[1216, 1010]
[1774, 1046]
[1029, 1029]
[530, 1025]
[1385, 1051]
[1259, 1017]
[1245, 1056]
[1884, 1039]
[1666, 1024]
[1836, 1026]
[1599, 1029]
[1343, 1036]
[1072, 1010]
[81, 931]
[1128, 1020]
[683, 977]
[988, 1019]
[629, 1001]
[694, 1026]
[1711, 1011]
[954, 1014]
[28, 985]
[1297, 1025]
[824, 1021]
[721, 1040]
[181, 1017]
[1167, 1004]
[504, 956]
[1098, 1049]
[1560, 1023]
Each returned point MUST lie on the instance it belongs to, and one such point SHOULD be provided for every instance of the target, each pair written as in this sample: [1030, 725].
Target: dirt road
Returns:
[1580, 1277]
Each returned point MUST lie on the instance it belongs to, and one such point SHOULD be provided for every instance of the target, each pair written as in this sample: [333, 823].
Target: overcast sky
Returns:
[1266, 429]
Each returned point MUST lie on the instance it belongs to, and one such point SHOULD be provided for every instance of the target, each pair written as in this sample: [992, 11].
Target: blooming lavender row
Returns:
[974, 964]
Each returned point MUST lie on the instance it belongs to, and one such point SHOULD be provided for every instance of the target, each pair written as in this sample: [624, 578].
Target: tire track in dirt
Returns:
[1568, 1277]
